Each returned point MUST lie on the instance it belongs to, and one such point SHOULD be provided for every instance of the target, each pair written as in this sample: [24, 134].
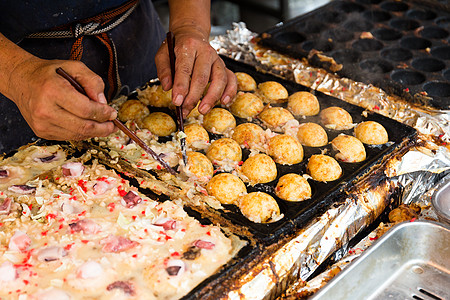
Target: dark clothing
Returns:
[137, 40]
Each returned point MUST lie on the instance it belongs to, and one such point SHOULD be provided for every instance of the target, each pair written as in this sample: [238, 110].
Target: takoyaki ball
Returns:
[371, 133]
[293, 187]
[312, 135]
[259, 207]
[285, 149]
[245, 82]
[303, 104]
[259, 168]
[132, 110]
[224, 149]
[194, 113]
[159, 123]
[226, 187]
[246, 105]
[336, 118]
[156, 96]
[196, 136]
[349, 148]
[199, 165]
[218, 120]
[272, 92]
[275, 116]
[248, 135]
[323, 168]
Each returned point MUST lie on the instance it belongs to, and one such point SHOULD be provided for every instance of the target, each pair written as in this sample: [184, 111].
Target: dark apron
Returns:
[137, 40]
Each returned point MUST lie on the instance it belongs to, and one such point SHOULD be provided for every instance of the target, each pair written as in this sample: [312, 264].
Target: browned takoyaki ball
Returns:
[246, 82]
[285, 149]
[312, 135]
[248, 135]
[199, 165]
[349, 148]
[159, 123]
[371, 133]
[259, 168]
[246, 105]
[259, 207]
[219, 120]
[303, 104]
[275, 116]
[156, 96]
[224, 149]
[272, 92]
[323, 168]
[132, 110]
[336, 118]
[226, 187]
[293, 187]
[196, 136]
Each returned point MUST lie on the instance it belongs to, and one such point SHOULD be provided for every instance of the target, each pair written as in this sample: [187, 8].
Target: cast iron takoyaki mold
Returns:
[399, 46]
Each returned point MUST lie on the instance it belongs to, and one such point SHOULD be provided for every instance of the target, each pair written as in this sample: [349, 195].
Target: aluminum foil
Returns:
[417, 173]
[240, 44]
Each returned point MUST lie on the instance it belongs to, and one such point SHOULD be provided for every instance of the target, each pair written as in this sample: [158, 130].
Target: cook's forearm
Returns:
[193, 14]
[11, 56]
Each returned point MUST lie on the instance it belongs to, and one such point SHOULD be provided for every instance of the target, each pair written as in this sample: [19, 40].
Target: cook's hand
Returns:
[51, 105]
[197, 63]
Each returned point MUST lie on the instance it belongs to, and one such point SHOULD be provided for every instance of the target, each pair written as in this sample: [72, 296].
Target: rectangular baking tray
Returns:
[411, 261]
[324, 194]
[407, 52]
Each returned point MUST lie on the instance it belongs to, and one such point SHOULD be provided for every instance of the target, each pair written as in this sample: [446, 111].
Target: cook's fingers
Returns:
[230, 90]
[204, 69]
[162, 61]
[81, 106]
[184, 65]
[216, 88]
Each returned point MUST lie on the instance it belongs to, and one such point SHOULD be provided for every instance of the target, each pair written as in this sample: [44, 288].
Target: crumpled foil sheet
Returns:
[297, 260]
[239, 44]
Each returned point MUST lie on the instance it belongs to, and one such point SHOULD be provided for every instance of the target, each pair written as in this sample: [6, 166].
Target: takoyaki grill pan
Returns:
[407, 52]
[297, 214]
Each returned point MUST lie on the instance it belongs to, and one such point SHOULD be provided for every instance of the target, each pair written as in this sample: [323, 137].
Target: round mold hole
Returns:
[340, 35]
[404, 24]
[443, 22]
[290, 37]
[408, 77]
[434, 32]
[441, 52]
[366, 45]
[428, 64]
[396, 54]
[330, 16]
[394, 6]
[369, 1]
[376, 15]
[348, 7]
[415, 43]
[358, 25]
[421, 14]
[447, 74]
[346, 56]
[437, 89]
[386, 34]
[311, 26]
[378, 66]
[320, 45]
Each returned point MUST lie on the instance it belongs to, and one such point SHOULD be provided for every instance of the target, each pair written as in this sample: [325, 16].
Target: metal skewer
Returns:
[119, 124]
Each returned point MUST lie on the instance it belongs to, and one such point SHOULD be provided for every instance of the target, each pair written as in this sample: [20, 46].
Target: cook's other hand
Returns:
[197, 63]
[51, 106]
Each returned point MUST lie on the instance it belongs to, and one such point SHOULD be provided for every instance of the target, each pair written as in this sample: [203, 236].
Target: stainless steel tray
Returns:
[411, 261]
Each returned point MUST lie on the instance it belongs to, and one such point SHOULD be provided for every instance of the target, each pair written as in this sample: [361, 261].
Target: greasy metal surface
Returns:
[441, 203]
[400, 46]
[324, 194]
[409, 262]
